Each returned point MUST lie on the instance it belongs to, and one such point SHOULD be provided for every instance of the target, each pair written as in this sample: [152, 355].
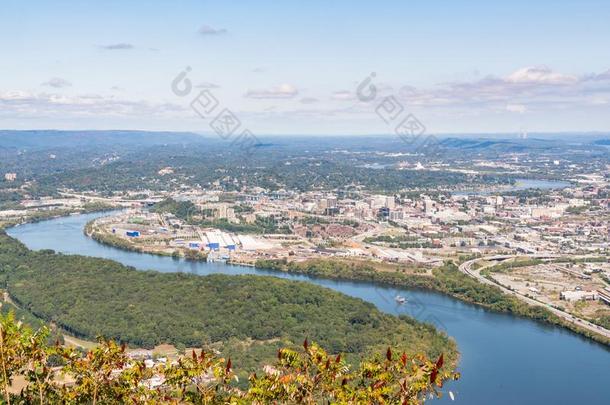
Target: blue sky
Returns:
[292, 67]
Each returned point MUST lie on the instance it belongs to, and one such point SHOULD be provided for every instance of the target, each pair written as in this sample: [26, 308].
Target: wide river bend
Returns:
[504, 359]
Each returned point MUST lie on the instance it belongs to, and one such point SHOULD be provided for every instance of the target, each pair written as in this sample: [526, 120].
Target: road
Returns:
[467, 269]
[108, 199]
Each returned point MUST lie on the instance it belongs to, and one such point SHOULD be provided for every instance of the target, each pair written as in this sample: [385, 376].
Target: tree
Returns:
[106, 375]
[25, 353]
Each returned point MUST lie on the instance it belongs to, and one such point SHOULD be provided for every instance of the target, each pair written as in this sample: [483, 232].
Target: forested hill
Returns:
[248, 317]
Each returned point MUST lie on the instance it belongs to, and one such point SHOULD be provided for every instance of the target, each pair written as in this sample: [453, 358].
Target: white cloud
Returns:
[206, 30]
[117, 47]
[539, 86]
[602, 76]
[15, 95]
[57, 82]
[281, 91]
[516, 108]
[540, 74]
[24, 104]
[531, 91]
[599, 101]
[207, 85]
[342, 95]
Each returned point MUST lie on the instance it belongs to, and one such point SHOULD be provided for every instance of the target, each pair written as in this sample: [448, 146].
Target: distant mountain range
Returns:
[90, 139]
[512, 145]
[46, 139]
[531, 144]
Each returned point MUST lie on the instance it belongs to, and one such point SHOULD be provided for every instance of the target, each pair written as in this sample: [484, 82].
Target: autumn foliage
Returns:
[107, 375]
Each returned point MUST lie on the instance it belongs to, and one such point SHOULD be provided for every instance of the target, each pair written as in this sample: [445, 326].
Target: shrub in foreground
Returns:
[107, 375]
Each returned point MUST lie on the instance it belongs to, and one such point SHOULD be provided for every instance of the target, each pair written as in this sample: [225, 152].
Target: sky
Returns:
[306, 67]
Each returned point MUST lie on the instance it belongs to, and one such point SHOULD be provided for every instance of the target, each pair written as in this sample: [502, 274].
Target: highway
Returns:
[108, 199]
[467, 269]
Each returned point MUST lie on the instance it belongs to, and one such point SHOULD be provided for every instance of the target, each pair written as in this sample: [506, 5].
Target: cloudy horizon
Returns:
[284, 69]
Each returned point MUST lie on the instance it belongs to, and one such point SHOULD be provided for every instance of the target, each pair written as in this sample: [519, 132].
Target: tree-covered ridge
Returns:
[89, 297]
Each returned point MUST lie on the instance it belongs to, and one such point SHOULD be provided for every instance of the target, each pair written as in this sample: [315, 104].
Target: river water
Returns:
[504, 359]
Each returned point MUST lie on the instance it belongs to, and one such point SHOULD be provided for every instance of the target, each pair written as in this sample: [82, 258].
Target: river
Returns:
[504, 359]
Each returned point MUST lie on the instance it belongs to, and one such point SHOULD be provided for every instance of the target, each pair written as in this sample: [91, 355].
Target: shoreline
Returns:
[112, 241]
[532, 312]
[420, 326]
[568, 318]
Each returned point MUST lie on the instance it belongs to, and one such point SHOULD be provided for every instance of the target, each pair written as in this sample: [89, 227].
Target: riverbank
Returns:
[119, 243]
[89, 296]
[503, 358]
[419, 337]
[56, 333]
[447, 280]
[482, 274]
[37, 216]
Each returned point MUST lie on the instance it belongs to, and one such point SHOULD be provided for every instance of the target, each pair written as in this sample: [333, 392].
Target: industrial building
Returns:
[578, 295]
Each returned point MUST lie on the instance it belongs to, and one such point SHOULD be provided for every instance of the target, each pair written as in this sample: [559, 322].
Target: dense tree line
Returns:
[89, 297]
[401, 241]
[181, 209]
[10, 200]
